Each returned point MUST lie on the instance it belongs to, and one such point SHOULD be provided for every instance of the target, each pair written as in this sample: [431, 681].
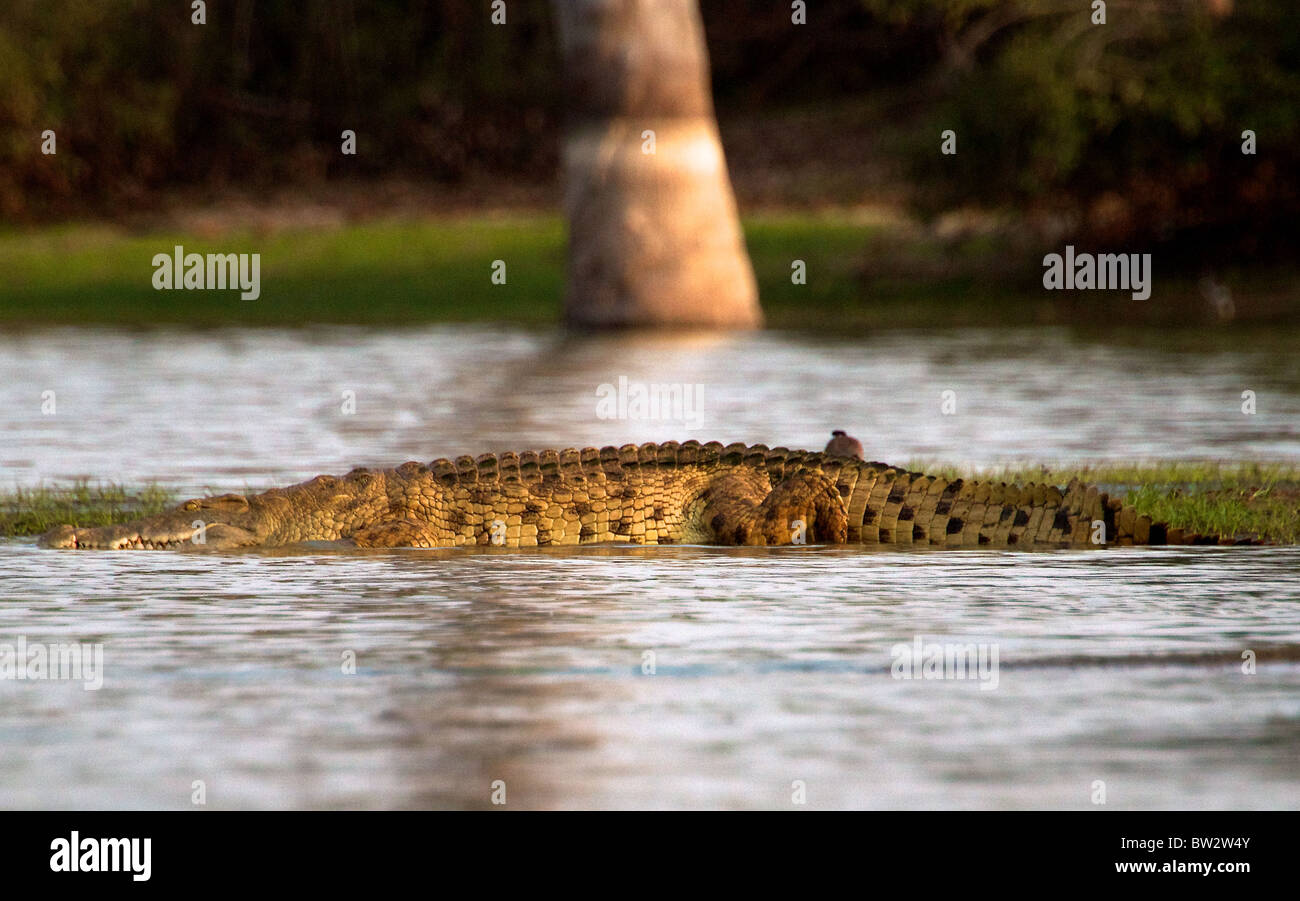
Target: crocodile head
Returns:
[214, 523]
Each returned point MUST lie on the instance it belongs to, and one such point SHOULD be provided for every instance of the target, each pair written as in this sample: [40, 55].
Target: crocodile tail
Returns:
[890, 505]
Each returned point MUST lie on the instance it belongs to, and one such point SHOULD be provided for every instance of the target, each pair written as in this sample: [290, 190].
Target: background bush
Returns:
[1128, 130]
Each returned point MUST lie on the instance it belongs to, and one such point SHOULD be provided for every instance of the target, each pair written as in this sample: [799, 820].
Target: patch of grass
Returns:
[426, 270]
[374, 272]
[31, 511]
[866, 270]
[1261, 499]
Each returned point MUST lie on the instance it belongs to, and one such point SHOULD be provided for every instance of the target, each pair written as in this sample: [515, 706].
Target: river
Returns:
[679, 677]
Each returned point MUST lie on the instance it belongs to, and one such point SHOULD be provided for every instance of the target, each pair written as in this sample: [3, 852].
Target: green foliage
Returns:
[140, 97]
[1132, 127]
[1136, 123]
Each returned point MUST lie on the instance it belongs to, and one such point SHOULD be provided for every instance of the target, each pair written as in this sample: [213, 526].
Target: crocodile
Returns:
[670, 493]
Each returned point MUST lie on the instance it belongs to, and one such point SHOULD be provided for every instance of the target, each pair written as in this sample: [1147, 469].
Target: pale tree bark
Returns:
[654, 237]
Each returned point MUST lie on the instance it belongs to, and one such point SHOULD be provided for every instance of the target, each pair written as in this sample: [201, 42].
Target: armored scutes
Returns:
[670, 493]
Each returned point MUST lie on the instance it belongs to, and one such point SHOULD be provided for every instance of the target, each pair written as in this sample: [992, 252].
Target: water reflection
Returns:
[768, 666]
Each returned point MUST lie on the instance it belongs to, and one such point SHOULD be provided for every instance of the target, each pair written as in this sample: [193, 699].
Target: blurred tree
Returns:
[141, 98]
[654, 237]
[1131, 129]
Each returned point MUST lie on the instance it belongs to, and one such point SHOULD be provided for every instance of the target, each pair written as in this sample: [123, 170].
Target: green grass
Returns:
[379, 272]
[1261, 499]
[404, 271]
[863, 273]
[31, 511]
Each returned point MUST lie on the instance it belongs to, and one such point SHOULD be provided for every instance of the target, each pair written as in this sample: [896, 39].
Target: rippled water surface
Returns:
[616, 677]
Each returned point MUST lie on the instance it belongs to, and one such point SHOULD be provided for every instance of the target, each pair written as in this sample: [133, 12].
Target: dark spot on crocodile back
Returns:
[609, 462]
[508, 465]
[571, 464]
[955, 525]
[709, 454]
[590, 460]
[487, 467]
[444, 471]
[483, 495]
[528, 467]
[466, 470]
[1022, 518]
[733, 454]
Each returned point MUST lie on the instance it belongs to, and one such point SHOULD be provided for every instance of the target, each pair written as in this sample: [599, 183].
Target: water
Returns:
[770, 667]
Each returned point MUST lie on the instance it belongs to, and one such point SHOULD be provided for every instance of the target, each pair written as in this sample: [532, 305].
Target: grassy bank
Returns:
[864, 271]
[31, 511]
[1227, 499]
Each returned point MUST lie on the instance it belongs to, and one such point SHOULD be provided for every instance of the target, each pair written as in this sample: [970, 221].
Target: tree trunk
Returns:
[654, 238]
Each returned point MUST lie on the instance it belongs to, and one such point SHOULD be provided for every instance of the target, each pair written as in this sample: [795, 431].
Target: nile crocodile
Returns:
[688, 493]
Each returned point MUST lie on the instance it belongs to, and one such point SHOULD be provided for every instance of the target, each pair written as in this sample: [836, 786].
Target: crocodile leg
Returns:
[803, 508]
[396, 533]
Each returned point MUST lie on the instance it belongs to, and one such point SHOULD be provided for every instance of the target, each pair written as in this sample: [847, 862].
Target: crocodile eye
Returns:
[191, 505]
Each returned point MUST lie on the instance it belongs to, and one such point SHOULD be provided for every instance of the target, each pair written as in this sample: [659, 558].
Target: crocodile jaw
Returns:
[202, 524]
[144, 536]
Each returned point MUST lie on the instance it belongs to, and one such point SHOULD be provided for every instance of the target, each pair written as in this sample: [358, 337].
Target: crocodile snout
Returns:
[122, 537]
